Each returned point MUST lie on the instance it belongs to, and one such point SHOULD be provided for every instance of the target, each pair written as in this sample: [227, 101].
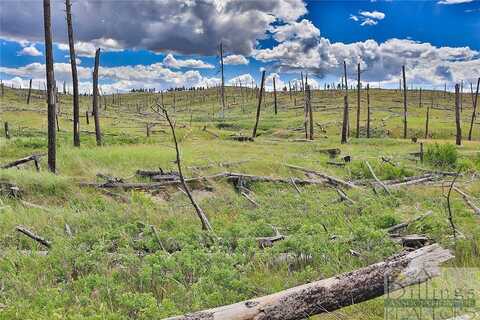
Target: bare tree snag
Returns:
[86, 117]
[475, 100]
[368, 110]
[358, 100]
[404, 103]
[254, 134]
[420, 99]
[73, 64]
[29, 91]
[376, 178]
[396, 272]
[32, 235]
[98, 133]
[468, 200]
[223, 80]
[427, 119]
[309, 110]
[345, 107]
[449, 206]
[275, 96]
[7, 131]
[201, 215]
[458, 140]
[52, 138]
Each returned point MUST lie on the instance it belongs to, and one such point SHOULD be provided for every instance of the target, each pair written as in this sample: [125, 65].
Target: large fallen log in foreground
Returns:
[35, 158]
[334, 293]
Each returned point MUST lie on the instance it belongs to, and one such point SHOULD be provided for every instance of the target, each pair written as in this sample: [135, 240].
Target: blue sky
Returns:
[438, 41]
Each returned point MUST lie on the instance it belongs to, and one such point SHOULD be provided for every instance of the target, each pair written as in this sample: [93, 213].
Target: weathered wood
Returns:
[331, 294]
[376, 178]
[73, 65]
[29, 91]
[358, 101]
[223, 80]
[368, 110]
[7, 131]
[96, 116]
[468, 199]
[332, 180]
[275, 96]
[474, 112]
[458, 137]
[33, 236]
[254, 134]
[404, 104]
[310, 111]
[404, 225]
[411, 240]
[51, 101]
[35, 158]
[345, 108]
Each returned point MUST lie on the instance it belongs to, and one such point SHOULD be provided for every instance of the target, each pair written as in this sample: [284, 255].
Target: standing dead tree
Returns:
[223, 80]
[345, 107]
[309, 110]
[73, 64]
[474, 102]
[52, 138]
[358, 101]
[201, 215]
[7, 131]
[98, 133]
[29, 92]
[458, 140]
[274, 95]
[331, 294]
[427, 118]
[254, 134]
[404, 103]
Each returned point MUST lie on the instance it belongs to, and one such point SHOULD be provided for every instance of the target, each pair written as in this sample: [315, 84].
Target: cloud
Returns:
[373, 14]
[87, 49]
[30, 51]
[181, 26]
[369, 22]
[354, 18]
[235, 59]
[171, 62]
[244, 80]
[454, 1]
[295, 30]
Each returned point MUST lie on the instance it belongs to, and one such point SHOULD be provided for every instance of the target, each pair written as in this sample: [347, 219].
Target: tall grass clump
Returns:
[441, 155]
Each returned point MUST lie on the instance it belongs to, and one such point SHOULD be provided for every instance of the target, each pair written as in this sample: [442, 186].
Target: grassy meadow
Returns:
[147, 257]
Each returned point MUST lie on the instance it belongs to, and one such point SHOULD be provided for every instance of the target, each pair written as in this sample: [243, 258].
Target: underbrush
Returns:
[441, 155]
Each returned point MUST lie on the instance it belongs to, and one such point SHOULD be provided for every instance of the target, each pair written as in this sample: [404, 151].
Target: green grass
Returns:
[113, 267]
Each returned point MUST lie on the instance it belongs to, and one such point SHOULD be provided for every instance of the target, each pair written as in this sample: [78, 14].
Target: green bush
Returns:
[441, 155]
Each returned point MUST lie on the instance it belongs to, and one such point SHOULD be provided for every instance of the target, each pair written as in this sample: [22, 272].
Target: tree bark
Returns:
[223, 80]
[52, 138]
[396, 272]
[404, 104]
[475, 100]
[29, 91]
[73, 64]
[98, 133]
[309, 109]
[345, 107]
[427, 120]
[457, 116]
[254, 134]
[7, 131]
[275, 95]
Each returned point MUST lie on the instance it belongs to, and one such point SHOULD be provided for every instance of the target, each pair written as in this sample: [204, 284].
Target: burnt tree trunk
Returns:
[323, 296]
[457, 115]
[274, 95]
[7, 132]
[427, 120]
[52, 138]
[73, 64]
[309, 108]
[29, 91]
[475, 100]
[254, 134]
[345, 107]
[404, 104]
[223, 80]
[98, 133]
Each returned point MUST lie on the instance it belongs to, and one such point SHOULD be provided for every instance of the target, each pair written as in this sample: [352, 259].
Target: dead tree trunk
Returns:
[404, 104]
[274, 95]
[345, 107]
[368, 110]
[475, 100]
[254, 134]
[223, 80]
[420, 99]
[98, 133]
[457, 115]
[29, 91]
[396, 272]
[73, 64]
[358, 101]
[428, 119]
[52, 138]
[309, 109]
[7, 132]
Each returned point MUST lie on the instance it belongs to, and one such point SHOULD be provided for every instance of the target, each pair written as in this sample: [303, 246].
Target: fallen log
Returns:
[35, 158]
[404, 225]
[414, 181]
[33, 236]
[376, 178]
[332, 180]
[468, 200]
[330, 294]
[411, 240]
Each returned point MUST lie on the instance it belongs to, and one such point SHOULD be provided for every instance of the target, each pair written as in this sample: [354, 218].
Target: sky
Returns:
[164, 44]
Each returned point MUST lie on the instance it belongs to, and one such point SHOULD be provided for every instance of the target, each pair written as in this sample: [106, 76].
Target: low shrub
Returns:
[441, 155]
